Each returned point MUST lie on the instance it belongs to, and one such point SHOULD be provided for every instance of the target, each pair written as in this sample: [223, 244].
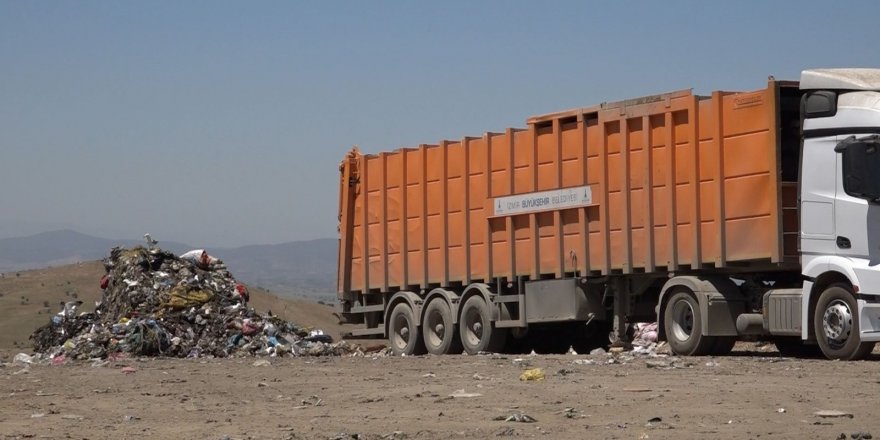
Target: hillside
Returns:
[306, 268]
[61, 247]
[298, 268]
[29, 298]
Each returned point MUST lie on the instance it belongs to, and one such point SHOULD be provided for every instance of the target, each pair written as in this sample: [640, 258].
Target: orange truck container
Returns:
[600, 203]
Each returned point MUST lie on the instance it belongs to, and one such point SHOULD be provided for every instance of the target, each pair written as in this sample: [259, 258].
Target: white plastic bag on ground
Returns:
[646, 333]
[23, 359]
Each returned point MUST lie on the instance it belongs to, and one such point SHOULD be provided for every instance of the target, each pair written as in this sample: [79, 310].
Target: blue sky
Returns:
[222, 123]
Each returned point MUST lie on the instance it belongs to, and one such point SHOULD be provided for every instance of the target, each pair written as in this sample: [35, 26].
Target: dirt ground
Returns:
[752, 394]
[747, 395]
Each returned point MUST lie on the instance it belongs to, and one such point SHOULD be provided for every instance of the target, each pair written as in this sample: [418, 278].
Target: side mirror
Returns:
[820, 104]
[861, 167]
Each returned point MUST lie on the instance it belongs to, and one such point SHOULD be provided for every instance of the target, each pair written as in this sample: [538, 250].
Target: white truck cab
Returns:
[840, 210]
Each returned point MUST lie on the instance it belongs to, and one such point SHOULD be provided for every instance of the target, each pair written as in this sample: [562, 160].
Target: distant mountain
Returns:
[300, 268]
[57, 248]
[304, 268]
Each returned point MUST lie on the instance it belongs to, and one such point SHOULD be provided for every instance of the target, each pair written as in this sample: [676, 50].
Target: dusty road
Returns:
[750, 395]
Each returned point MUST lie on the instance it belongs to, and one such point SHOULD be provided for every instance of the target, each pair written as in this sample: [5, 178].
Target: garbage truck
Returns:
[724, 217]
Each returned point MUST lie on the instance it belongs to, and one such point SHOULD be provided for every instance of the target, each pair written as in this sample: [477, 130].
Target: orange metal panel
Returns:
[694, 179]
[675, 180]
[648, 186]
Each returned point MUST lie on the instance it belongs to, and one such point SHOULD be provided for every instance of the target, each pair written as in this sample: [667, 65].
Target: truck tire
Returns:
[478, 332]
[836, 325]
[403, 333]
[438, 332]
[682, 323]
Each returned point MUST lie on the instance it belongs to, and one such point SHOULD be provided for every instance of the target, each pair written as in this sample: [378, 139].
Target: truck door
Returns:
[857, 221]
[819, 171]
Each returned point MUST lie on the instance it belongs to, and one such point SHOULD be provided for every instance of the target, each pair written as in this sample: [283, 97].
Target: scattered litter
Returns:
[312, 401]
[645, 333]
[711, 364]
[157, 304]
[522, 363]
[780, 410]
[429, 375]
[535, 374]
[24, 359]
[37, 415]
[571, 413]
[130, 418]
[478, 376]
[830, 413]
[128, 370]
[461, 393]
[668, 364]
[637, 390]
[516, 417]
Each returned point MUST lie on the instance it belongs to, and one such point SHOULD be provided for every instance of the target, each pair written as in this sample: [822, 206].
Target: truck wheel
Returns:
[836, 324]
[682, 323]
[403, 332]
[438, 331]
[477, 331]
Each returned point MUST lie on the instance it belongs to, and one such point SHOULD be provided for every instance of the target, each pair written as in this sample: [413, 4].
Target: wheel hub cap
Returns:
[683, 320]
[837, 321]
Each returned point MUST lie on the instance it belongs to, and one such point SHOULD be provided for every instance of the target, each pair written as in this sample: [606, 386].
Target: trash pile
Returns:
[157, 304]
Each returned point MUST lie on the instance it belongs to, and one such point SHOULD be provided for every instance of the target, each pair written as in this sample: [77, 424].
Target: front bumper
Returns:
[869, 320]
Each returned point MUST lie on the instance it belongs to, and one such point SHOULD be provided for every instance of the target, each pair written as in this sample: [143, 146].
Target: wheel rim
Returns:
[434, 328]
[401, 332]
[473, 323]
[837, 323]
[682, 320]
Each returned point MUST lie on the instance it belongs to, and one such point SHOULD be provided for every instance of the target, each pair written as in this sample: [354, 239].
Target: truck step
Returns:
[367, 309]
[367, 332]
[509, 298]
[510, 323]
